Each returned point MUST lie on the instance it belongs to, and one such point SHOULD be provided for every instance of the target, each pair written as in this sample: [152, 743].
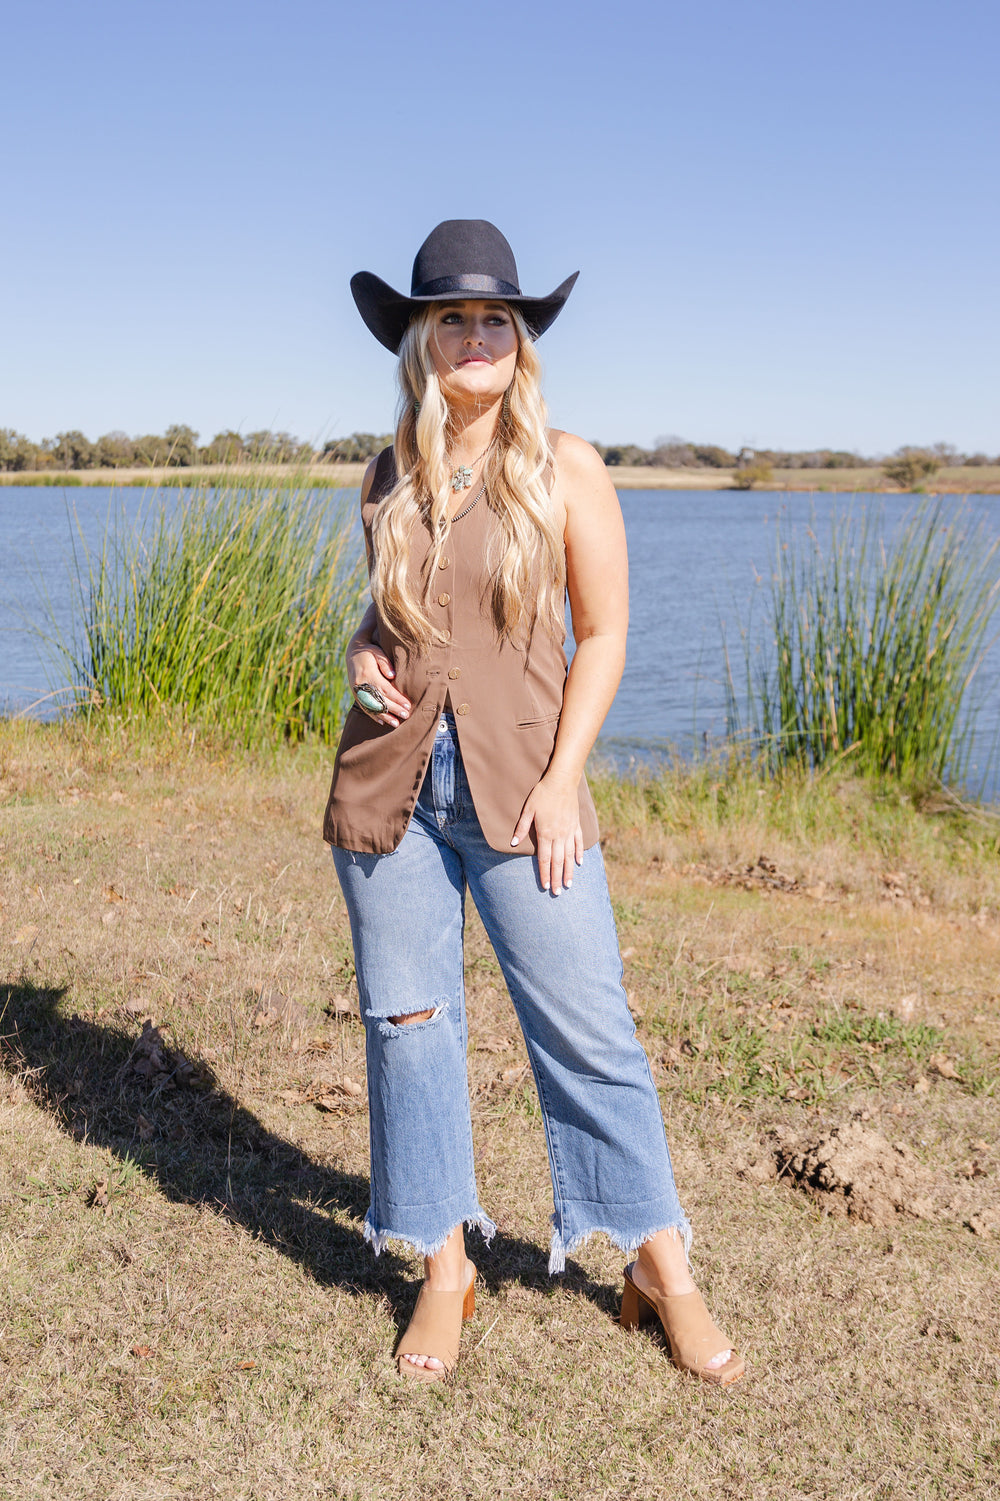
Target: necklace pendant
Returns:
[462, 478]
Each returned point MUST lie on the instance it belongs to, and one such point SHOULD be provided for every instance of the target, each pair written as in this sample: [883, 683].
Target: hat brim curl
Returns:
[387, 312]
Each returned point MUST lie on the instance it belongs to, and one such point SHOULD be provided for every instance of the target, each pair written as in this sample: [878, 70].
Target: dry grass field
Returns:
[973, 480]
[188, 1309]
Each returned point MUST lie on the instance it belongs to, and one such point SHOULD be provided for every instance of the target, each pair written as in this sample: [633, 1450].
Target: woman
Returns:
[462, 766]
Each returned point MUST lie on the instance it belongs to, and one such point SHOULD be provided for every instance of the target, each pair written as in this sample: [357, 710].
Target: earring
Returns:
[505, 410]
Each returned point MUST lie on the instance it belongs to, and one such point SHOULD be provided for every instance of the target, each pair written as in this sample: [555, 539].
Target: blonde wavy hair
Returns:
[527, 565]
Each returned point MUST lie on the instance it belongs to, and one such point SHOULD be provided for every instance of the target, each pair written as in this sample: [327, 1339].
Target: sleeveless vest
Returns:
[506, 698]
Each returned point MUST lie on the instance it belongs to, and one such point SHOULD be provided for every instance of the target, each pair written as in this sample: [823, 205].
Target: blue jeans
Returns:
[559, 955]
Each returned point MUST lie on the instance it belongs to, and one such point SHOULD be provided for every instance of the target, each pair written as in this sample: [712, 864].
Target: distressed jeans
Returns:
[559, 955]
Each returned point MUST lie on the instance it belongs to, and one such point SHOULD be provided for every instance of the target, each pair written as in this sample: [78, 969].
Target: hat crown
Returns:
[466, 248]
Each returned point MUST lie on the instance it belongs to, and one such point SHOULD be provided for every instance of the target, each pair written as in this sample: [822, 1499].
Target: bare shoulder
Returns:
[576, 459]
[582, 484]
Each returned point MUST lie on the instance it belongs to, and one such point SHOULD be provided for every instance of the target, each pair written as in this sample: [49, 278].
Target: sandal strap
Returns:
[435, 1328]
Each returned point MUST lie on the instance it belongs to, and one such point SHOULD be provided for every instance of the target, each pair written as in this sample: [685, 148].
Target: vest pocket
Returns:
[529, 724]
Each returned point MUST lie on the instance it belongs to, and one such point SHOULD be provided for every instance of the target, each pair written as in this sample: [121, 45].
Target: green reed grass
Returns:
[231, 606]
[47, 481]
[293, 479]
[875, 646]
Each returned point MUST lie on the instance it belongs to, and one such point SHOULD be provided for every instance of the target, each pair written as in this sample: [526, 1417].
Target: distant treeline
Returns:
[178, 448]
[676, 453]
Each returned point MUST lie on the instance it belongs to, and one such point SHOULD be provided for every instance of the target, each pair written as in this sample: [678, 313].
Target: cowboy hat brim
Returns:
[387, 312]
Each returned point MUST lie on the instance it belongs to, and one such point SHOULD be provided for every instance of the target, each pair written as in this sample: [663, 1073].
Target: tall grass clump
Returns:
[873, 646]
[232, 606]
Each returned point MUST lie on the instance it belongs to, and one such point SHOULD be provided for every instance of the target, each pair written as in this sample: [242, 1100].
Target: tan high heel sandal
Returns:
[691, 1335]
[436, 1330]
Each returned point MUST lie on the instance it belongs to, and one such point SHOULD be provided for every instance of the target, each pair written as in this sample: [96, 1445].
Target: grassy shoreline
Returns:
[983, 480]
[188, 1306]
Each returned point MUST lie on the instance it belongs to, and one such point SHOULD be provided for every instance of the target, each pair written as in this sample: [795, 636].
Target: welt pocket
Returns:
[529, 724]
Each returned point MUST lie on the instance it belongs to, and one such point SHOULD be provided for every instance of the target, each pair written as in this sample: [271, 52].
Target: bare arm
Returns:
[597, 583]
[368, 663]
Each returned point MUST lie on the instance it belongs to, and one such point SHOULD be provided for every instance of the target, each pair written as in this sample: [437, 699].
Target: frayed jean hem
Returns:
[379, 1239]
[628, 1245]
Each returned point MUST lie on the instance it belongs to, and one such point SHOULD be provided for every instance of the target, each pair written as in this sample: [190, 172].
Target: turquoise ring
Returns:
[368, 697]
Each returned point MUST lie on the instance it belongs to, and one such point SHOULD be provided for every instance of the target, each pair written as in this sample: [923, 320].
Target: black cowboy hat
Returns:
[462, 259]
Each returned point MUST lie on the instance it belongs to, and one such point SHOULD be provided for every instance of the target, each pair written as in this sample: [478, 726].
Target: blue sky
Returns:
[785, 215]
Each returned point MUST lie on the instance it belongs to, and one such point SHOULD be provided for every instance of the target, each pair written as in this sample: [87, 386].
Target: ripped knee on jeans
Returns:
[413, 1016]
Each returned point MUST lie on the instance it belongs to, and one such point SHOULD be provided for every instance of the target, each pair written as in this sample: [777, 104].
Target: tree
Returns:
[150, 450]
[908, 466]
[114, 451]
[16, 451]
[225, 448]
[182, 446]
[714, 457]
[627, 453]
[357, 449]
[751, 469]
[673, 453]
[73, 451]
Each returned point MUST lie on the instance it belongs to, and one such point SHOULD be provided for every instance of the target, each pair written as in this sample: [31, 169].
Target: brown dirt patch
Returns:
[857, 1172]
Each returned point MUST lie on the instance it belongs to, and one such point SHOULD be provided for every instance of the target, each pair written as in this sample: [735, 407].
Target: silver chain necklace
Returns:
[465, 511]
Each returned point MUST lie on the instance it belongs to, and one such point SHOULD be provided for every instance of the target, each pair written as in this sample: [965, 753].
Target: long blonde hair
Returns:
[528, 571]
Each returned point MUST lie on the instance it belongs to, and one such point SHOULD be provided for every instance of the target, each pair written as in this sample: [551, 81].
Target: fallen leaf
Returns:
[291, 1096]
[99, 1194]
[943, 1065]
[111, 895]
[246, 1365]
[492, 1044]
[922, 1085]
[340, 1008]
[512, 1075]
[142, 1352]
[144, 1128]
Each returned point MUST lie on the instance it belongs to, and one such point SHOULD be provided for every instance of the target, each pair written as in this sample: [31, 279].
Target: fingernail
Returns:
[514, 843]
[568, 885]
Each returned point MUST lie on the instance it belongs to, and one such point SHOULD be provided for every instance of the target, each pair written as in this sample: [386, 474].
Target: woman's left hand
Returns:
[554, 809]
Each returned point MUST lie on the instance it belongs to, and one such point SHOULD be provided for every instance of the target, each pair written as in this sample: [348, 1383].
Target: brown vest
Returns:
[506, 700]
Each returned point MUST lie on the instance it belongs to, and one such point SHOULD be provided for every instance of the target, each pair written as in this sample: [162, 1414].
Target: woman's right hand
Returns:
[368, 663]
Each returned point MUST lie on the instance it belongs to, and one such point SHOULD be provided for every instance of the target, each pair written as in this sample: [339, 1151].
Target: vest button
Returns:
[454, 672]
[462, 709]
[444, 599]
[446, 635]
[444, 562]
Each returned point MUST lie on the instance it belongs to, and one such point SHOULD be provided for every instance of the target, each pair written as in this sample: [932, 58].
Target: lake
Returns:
[700, 563]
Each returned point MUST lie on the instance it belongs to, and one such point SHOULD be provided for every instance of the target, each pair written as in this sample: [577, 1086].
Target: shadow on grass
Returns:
[211, 1151]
